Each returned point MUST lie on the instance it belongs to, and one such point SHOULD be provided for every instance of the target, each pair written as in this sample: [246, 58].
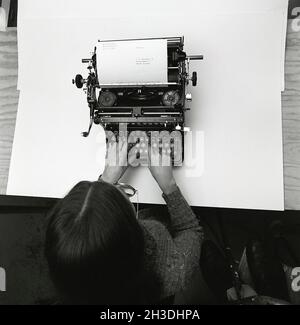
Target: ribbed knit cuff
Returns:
[173, 198]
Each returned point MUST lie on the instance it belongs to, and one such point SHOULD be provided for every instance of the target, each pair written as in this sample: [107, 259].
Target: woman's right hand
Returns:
[161, 170]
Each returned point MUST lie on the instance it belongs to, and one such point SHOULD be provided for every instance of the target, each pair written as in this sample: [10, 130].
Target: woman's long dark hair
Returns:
[94, 246]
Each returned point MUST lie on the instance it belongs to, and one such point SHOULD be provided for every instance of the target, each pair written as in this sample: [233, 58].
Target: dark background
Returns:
[22, 229]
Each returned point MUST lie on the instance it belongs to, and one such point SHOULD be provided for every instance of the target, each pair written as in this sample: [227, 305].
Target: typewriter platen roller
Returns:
[143, 107]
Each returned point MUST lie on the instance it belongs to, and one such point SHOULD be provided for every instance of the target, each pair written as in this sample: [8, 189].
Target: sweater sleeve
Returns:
[187, 233]
[182, 217]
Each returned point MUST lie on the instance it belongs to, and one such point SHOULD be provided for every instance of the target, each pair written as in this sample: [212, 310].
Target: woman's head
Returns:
[94, 245]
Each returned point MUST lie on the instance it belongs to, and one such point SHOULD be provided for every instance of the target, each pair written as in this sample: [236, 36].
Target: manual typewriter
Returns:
[143, 107]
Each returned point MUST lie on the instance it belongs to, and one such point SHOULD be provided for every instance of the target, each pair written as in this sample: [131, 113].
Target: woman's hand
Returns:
[161, 169]
[116, 161]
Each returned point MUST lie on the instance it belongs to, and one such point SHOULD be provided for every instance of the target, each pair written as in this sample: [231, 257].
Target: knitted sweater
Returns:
[172, 247]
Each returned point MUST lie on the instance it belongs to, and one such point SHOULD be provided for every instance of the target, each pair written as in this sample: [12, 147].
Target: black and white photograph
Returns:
[149, 155]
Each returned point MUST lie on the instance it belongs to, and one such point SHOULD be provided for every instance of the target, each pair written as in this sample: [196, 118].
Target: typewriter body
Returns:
[142, 107]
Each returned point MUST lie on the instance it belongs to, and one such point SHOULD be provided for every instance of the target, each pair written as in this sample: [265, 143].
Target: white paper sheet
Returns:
[36, 9]
[132, 62]
[118, 8]
[236, 109]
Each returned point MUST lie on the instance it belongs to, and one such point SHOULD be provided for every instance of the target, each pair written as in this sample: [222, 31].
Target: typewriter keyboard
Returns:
[167, 145]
